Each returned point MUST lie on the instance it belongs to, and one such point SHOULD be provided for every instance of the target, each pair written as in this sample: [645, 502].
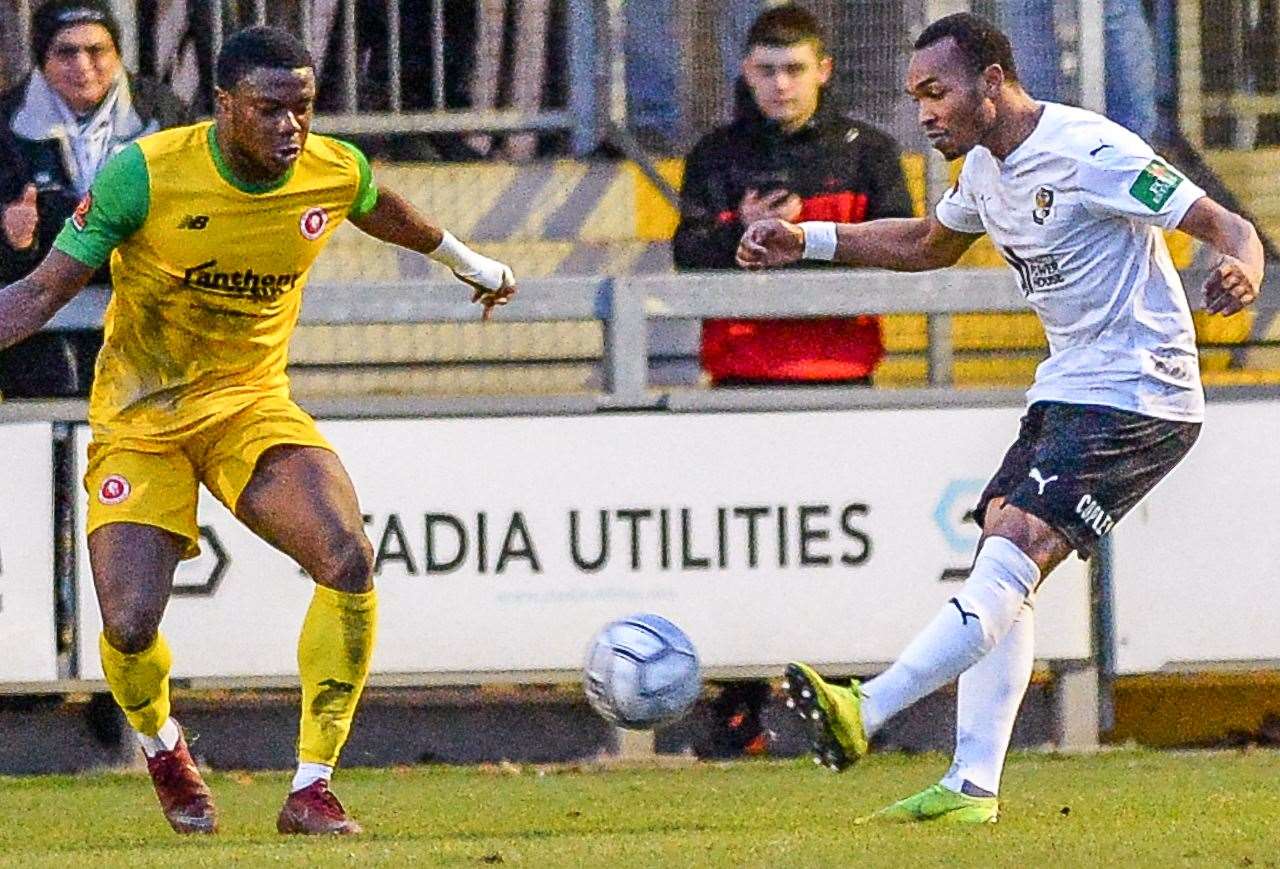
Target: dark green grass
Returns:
[1116, 809]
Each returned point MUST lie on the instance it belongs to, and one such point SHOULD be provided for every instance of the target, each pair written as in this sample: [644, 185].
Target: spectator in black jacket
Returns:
[793, 153]
[58, 127]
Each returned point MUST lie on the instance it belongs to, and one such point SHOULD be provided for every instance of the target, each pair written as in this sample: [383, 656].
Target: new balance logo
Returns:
[194, 221]
[964, 616]
[1041, 482]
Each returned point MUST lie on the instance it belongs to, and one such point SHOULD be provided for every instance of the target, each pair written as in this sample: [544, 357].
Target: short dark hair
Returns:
[977, 38]
[785, 26]
[259, 48]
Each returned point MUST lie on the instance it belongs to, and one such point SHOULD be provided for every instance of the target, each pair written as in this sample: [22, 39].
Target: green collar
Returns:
[224, 169]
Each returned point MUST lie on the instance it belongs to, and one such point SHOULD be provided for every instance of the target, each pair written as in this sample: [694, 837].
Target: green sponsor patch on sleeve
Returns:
[1155, 184]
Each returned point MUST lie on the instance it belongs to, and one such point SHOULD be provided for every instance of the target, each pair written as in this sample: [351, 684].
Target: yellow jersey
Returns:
[207, 274]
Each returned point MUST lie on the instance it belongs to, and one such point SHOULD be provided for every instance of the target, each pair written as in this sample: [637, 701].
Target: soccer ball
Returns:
[641, 671]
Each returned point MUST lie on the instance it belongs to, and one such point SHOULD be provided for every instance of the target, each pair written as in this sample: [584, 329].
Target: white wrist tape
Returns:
[819, 239]
[457, 256]
[476, 269]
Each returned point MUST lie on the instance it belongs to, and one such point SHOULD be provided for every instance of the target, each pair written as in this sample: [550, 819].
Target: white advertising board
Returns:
[28, 651]
[503, 544]
[1197, 564]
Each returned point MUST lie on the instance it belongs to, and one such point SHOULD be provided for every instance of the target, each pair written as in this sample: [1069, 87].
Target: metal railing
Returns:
[393, 66]
[389, 71]
[632, 311]
[332, 30]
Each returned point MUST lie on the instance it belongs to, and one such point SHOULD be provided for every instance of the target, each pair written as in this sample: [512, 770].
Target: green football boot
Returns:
[937, 803]
[834, 715]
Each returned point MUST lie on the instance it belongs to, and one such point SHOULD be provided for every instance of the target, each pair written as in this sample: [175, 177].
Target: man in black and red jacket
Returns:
[790, 153]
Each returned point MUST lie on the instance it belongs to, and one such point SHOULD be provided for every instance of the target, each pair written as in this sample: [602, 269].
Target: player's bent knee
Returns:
[130, 635]
[1043, 543]
[348, 565]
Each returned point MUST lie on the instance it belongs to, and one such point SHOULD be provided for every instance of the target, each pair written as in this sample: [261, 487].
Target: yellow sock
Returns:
[333, 661]
[140, 683]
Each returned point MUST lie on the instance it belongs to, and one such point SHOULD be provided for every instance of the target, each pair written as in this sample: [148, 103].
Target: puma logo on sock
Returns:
[964, 616]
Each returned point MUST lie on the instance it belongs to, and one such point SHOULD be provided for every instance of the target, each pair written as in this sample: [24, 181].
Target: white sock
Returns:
[969, 626]
[165, 740]
[987, 703]
[309, 773]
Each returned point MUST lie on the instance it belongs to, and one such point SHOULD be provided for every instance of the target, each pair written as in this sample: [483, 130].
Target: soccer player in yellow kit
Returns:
[211, 231]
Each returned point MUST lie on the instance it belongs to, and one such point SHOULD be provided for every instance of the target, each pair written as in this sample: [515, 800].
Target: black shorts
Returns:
[1081, 467]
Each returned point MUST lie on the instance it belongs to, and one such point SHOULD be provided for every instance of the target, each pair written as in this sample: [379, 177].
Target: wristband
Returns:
[819, 239]
[456, 255]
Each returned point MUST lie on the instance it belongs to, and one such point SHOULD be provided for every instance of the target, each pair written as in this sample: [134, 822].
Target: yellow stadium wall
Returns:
[1169, 710]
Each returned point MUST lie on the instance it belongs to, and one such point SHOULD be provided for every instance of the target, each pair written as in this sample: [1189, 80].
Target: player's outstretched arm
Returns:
[912, 244]
[395, 221]
[27, 304]
[1236, 279]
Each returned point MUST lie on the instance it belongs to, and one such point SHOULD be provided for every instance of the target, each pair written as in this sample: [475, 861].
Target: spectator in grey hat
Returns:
[58, 126]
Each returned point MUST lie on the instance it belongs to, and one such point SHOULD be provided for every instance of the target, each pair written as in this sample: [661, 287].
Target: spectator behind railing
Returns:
[58, 127]
[792, 153]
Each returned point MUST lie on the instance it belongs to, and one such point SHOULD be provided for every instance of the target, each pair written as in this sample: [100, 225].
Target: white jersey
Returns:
[1076, 211]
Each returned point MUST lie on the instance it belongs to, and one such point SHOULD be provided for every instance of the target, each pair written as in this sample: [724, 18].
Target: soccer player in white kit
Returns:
[1076, 204]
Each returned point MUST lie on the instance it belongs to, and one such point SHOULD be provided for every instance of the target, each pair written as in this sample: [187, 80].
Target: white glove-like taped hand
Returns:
[493, 282]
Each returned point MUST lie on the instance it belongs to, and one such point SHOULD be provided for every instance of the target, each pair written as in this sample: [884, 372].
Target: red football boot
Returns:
[315, 811]
[183, 795]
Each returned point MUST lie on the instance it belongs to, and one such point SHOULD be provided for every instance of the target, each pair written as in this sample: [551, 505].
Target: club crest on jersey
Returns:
[82, 211]
[313, 223]
[1044, 205]
[114, 489]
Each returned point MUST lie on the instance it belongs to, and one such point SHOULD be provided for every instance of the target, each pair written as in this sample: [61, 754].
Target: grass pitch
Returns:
[1121, 808]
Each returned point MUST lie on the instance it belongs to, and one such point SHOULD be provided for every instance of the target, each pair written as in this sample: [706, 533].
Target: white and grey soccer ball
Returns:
[641, 671]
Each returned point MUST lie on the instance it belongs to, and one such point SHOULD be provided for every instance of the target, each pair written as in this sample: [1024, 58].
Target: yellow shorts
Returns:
[157, 482]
